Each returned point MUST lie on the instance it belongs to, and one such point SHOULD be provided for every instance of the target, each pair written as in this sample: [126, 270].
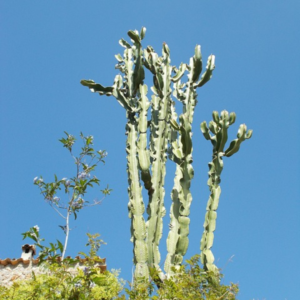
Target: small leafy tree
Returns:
[75, 188]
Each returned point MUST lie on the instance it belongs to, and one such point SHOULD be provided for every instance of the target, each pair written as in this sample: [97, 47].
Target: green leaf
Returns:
[174, 125]
[40, 246]
[197, 63]
[208, 73]
[235, 144]
[134, 36]
[124, 44]
[99, 280]
[166, 49]
[119, 57]
[143, 32]
[216, 117]
[96, 87]
[119, 95]
[232, 118]
[83, 254]
[179, 73]
[249, 134]
[62, 227]
[213, 127]
[205, 130]
[60, 246]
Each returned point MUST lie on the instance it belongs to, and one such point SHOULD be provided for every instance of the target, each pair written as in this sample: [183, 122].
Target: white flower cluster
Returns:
[103, 153]
[56, 199]
[66, 182]
[37, 180]
[78, 204]
[33, 234]
[83, 175]
[37, 228]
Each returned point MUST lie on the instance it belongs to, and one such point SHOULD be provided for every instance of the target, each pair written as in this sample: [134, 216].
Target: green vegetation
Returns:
[60, 280]
[187, 282]
[59, 283]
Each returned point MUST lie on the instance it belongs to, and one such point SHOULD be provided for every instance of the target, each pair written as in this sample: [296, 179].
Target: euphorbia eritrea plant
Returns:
[168, 138]
[219, 127]
[75, 188]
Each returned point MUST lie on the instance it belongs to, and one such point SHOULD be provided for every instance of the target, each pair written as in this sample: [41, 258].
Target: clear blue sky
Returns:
[47, 47]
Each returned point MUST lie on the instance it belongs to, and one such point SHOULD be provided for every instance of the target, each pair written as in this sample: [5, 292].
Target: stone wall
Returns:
[20, 271]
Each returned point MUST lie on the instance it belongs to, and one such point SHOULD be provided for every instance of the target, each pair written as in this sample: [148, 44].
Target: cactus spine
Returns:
[219, 127]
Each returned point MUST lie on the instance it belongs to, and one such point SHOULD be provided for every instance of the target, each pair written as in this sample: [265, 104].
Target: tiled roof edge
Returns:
[14, 261]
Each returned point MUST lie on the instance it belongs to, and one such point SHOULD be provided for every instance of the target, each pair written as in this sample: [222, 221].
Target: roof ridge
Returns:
[15, 261]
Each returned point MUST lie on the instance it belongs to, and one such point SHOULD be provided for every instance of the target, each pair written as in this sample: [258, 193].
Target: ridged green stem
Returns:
[131, 94]
[206, 256]
[136, 206]
[219, 127]
[177, 242]
[161, 69]
[143, 152]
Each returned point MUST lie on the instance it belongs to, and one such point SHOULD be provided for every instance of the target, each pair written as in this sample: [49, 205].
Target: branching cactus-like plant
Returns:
[169, 137]
[218, 127]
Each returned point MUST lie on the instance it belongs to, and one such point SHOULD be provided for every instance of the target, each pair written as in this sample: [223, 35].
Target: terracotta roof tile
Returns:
[14, 261]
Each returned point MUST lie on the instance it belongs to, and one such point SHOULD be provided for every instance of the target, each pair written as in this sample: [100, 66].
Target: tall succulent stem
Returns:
[143, 152]
[136, 205]
[219, 127]
[161, 70]
[177, 242]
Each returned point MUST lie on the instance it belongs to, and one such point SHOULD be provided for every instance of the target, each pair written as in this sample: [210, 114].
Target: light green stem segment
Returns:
[219, 127]
[206, 256]
[136, 206]
[143, 152]
[136, 146]
[161, 69]
[130, 92]
[177, 242]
